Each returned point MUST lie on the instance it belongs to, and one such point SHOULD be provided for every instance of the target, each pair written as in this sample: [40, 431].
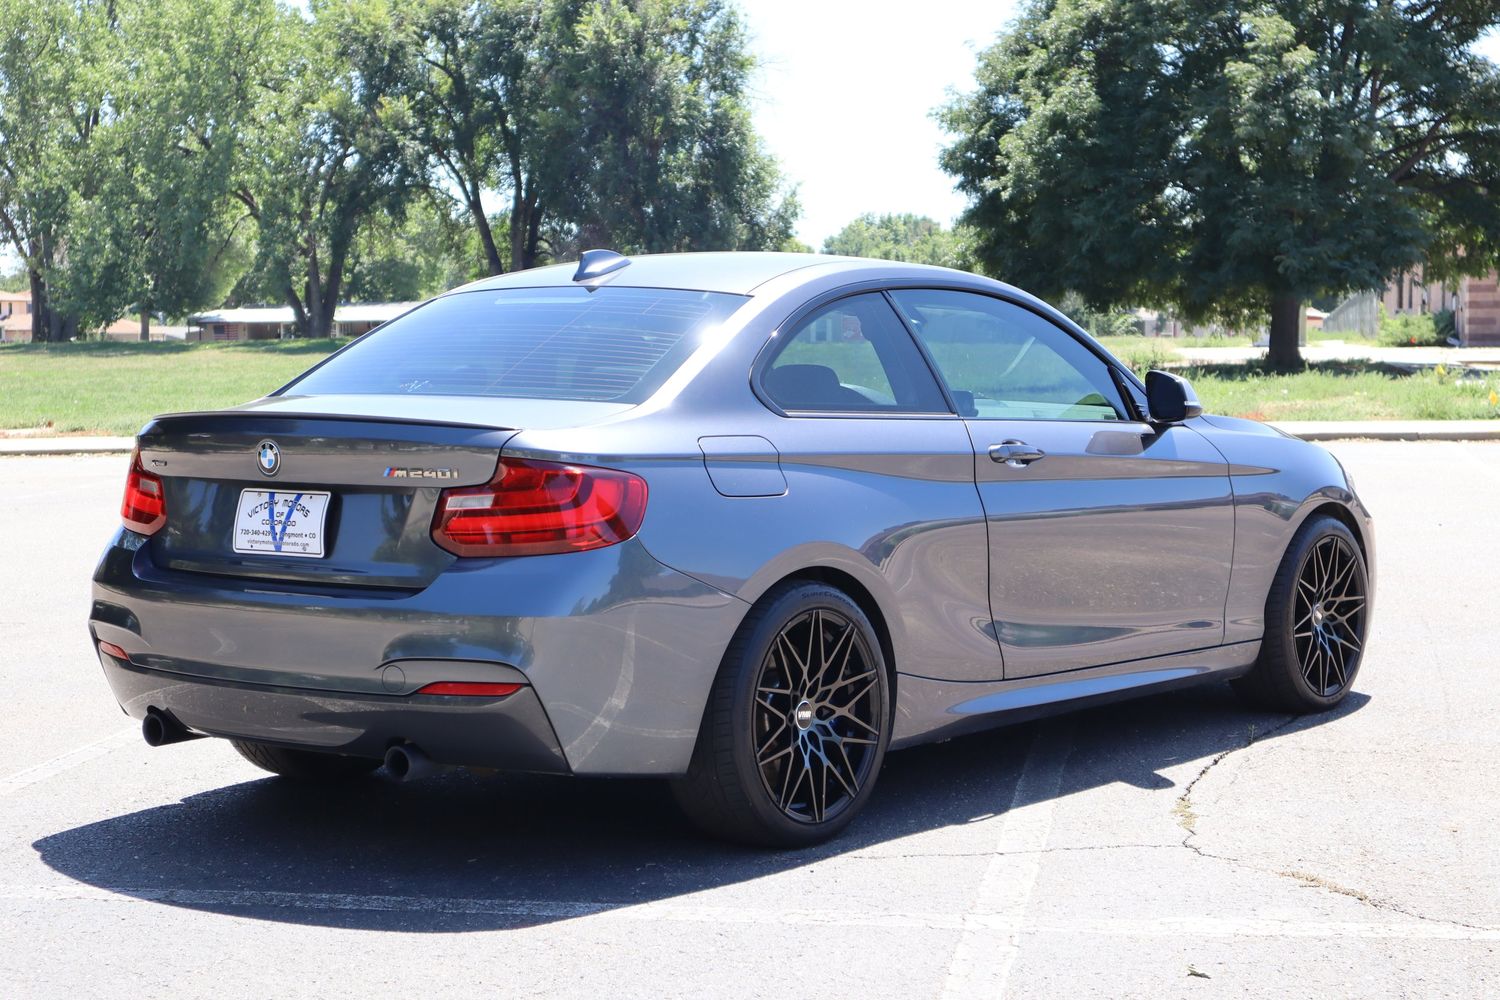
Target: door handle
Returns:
[1016, 454]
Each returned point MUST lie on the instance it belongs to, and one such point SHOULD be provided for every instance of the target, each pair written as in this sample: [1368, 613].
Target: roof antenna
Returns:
[598, 263]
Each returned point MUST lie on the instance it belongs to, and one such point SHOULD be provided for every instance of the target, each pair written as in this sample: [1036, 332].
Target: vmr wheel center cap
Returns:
[803, 715]
[1318, 614]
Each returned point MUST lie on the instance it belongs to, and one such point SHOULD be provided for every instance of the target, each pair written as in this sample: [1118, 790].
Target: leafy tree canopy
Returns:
[600, 123]
[1232, 157]
[913, 238]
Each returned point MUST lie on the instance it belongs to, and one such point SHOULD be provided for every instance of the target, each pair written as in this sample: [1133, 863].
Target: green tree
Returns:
[430, 250]
[1233, 158]
[155, 229]
[913, 238]
[323, 154]
[56, 62]
[658, 150]
[117, 136]
[601, 123]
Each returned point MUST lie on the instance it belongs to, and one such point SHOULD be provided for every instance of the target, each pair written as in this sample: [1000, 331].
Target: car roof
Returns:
[739, 272]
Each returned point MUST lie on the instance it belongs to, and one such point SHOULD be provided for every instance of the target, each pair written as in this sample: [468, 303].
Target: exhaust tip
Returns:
[159, 729]
[154, 730]
[406, 762]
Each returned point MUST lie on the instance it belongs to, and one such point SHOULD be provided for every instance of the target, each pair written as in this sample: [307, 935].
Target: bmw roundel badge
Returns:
[268, 458]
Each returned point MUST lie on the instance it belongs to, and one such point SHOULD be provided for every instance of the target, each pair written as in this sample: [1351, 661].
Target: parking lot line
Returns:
[992, 928]
[66, 761]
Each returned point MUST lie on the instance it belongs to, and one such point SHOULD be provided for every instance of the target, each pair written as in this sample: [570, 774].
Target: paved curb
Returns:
[1392, 430]
[67, 445]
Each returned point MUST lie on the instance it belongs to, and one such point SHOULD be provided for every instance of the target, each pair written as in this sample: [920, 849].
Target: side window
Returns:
[852, 356]
[1005, 362]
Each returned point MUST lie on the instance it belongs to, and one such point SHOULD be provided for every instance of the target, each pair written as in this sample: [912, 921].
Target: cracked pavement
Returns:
[1174, 846]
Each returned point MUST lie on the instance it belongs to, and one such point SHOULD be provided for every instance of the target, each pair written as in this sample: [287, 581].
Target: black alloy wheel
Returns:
[797, 723]
[1328, 628]
[1317, 617]
[817, 716]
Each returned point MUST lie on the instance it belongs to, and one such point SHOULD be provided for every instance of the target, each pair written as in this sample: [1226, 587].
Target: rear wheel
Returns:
[303, 765]
[797, 724]
[1316, 618]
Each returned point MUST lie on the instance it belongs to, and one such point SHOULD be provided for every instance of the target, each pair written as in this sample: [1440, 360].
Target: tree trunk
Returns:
[1287, 316]
[486, 237]
[40, 328]
[533, 229]
[299, 313]
[145, 322]
[519, 220]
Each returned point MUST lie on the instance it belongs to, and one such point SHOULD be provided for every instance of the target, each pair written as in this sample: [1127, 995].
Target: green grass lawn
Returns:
[1343, 391]
[1349, 390]
[114, 388]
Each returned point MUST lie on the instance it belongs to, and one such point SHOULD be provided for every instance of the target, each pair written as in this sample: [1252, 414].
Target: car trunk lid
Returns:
[381, 476]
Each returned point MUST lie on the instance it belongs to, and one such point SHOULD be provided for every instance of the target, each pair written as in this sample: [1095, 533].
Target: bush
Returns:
[1409, 330]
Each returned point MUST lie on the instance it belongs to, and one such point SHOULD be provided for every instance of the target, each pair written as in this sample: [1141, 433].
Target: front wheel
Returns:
[1317, 615]
[797, 723]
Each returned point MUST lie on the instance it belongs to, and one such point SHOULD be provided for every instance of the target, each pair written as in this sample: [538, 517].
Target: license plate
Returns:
[281, 522]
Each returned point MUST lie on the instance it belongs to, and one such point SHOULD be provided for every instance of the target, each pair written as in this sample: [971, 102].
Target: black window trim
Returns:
[773, 347]
[1117, 371]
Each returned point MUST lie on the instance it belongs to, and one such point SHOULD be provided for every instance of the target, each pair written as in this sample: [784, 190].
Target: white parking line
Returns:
[63, 762]
[992, 928]
[671, 912]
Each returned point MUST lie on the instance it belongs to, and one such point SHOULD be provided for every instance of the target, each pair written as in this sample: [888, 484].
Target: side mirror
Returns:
[964, 400]
[1170, 398]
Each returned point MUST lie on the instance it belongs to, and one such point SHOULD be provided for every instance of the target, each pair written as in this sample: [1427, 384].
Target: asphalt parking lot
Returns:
[1175, 846]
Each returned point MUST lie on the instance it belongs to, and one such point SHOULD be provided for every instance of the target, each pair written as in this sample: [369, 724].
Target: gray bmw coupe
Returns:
[744, 521]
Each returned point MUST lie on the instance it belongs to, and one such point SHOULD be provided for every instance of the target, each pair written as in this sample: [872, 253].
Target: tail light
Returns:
[535, 508]
[144, 509]
[469, 689]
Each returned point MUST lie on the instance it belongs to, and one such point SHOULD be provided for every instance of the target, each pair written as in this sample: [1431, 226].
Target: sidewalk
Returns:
[64, 445]
[1308, 430]
[1339, 350]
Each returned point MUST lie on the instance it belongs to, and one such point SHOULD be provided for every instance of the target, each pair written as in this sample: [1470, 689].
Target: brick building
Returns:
[1475, 303]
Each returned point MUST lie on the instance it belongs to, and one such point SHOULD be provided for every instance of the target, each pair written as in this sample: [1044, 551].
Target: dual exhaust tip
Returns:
[404, 761]
[159, 729]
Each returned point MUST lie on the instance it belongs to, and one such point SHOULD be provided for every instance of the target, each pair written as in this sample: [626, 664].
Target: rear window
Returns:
[611, 344]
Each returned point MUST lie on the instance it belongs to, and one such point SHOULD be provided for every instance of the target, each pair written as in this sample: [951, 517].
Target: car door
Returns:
[875, 460]
[1109, 539]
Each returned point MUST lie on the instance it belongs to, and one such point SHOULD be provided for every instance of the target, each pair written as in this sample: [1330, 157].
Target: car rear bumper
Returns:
[511, 733]
[616, 651]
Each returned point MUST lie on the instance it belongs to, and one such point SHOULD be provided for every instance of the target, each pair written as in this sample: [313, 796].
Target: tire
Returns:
[775, 735]
[1317, 616]
[303, 765]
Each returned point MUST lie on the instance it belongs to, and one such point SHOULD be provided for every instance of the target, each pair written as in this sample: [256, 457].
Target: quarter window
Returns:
[1005, 362]
[852, 356]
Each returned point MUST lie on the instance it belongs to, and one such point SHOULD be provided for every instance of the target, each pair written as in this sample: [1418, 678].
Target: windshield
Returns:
[607, 345]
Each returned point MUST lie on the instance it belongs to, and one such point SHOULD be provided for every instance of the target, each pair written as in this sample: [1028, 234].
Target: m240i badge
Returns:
[409, 472]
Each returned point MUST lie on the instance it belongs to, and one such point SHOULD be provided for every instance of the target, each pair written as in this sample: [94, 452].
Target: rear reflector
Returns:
[110, 649]
[470, 689]
[535, 508]
[144, 509]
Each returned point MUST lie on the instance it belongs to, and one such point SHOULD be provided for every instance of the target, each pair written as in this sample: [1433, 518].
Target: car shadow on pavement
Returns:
[462, 852]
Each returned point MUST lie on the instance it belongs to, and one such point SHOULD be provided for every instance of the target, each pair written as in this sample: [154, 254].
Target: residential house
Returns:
[276, 322]
[15, 321]
[15, 316]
